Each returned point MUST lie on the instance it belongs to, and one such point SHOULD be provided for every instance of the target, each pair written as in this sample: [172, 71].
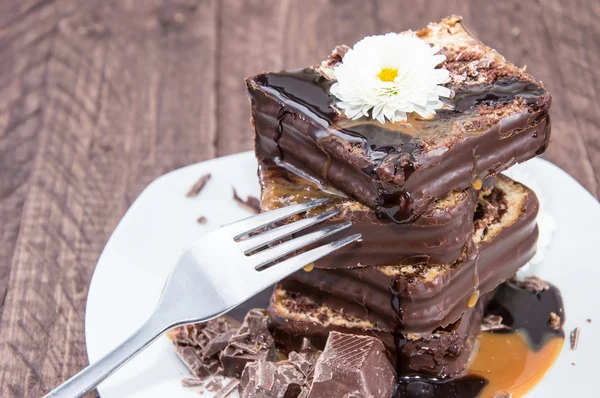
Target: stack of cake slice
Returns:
[441, 228]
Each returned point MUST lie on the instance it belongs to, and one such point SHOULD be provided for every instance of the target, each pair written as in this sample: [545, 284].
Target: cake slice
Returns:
[438, 236]
[419, 299]
[444, 352]
[497, 117]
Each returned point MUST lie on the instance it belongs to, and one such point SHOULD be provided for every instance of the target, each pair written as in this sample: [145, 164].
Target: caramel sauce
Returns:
[509, 365]
[473, 299]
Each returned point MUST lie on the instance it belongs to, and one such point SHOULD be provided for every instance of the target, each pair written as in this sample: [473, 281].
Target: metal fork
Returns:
[216, 274]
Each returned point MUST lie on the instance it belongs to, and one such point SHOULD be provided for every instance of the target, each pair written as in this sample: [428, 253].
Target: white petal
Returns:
[443, 91]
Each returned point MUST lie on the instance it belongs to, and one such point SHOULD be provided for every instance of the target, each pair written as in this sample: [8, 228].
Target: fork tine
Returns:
[279, 271]
[251, 224]
[285, 248]
[265, 238]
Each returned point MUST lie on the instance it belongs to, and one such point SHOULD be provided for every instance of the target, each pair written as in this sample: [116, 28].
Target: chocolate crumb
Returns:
[554, 321]
[589, 320]
[492, 322]
[573, 363]
[201, 220]
[213, 385]
[197, 187]
[227, 389]
[534, 284]
[189, 382]
[251, 203]
[574, 338]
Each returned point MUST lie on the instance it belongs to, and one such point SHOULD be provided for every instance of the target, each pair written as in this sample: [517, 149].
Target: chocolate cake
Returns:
[433, 296]
[497, 117]
[407, 139]
[442, 353]
[438, 236]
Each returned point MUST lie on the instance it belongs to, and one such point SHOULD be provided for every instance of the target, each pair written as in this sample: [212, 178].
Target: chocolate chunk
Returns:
[353, 366]
[189, 382]
[194, 362]
[574, 338]
[252, 342]
[265, 375]
[555, 321]
[217, 344]
[272, 380]
[251, 203]
[197, 187]
[198, 345]
[226, 390]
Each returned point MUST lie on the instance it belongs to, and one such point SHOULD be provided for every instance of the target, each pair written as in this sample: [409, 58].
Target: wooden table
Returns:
[99, 98]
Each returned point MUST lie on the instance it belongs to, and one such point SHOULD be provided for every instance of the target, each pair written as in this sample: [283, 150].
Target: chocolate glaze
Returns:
[427, 387]
[523, 309]
[397, 169]
[438, 236]
[424, 298]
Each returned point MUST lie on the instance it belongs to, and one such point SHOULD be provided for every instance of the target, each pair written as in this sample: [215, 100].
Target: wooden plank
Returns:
[257, 36]
[574, 37]
[129, 96]
[26, 37]
[249, 42]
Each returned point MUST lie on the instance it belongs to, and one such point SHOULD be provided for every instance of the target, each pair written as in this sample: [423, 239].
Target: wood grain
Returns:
[121, 109]
[97, 98]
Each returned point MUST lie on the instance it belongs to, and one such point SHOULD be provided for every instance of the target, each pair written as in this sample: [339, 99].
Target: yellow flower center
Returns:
[387, 74]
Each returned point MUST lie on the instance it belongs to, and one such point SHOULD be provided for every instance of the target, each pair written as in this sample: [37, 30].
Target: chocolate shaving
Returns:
[534, 284]
[574, 338]
[251, 203]
[213, 385]
[492, 323]
[201, 220]
[197, 187]
[199, 345]
[189, 382]
[554, 321]
[217, 343]
[253, 342]
[227, 389]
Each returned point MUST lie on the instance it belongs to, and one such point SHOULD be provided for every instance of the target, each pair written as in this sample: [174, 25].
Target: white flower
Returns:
[389, 76]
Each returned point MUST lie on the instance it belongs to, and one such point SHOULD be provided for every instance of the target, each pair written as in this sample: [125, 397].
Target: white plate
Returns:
[162, 221]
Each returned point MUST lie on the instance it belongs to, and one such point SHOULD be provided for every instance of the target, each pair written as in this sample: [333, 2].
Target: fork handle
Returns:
[87, 379]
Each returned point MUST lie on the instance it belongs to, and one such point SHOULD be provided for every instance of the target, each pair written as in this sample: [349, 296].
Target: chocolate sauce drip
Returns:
[280, 116]
[528, 310]
[427, 387]
[399, 146]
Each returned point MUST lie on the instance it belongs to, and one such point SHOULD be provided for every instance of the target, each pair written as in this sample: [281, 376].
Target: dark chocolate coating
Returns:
[438, 236]
[397, 170]
[423, 303]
